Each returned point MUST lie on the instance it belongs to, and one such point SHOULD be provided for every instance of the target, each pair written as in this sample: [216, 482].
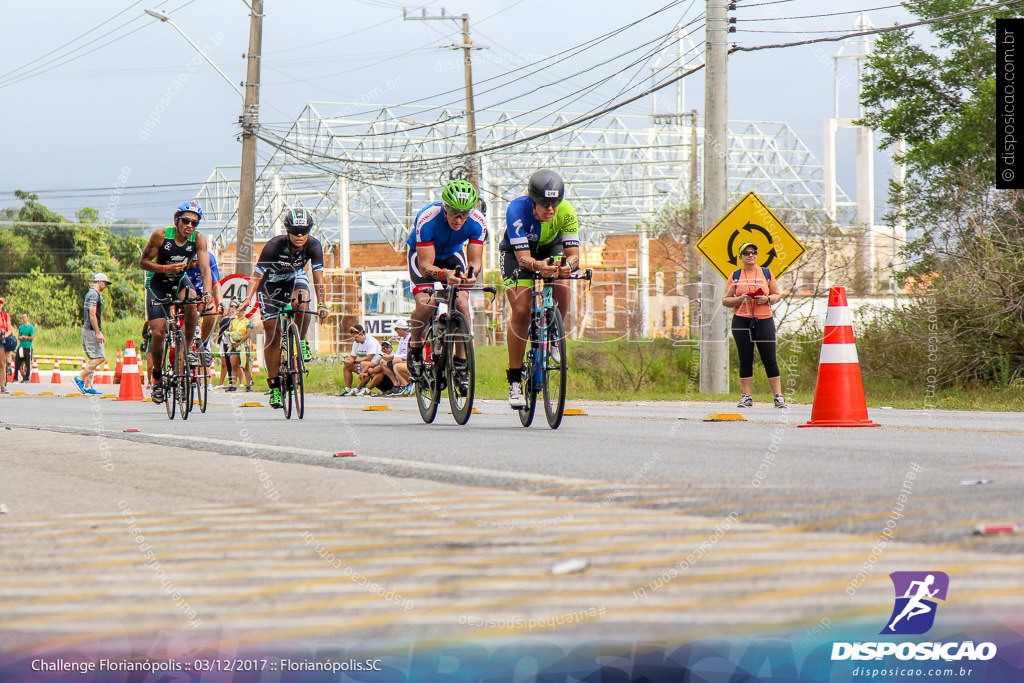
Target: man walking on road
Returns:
[92, 334]
[26, 333]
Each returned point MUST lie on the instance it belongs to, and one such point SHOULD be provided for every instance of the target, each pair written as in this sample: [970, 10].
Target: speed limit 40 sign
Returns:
[234, 289]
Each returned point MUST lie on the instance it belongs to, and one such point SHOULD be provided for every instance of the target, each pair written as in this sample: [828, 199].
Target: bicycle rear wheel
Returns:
[529, 389]
[459, 398]
[183, 385]
[555, 371]
[167, 378]
[296, 395]
[201, 383]
[428, 386]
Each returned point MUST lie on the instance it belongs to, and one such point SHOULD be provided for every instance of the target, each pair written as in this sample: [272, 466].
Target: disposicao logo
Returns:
[913, 614]
[914, 611]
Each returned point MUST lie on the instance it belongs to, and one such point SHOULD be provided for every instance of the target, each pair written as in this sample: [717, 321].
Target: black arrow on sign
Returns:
[750, 227]
[771, 257]
[733, 258]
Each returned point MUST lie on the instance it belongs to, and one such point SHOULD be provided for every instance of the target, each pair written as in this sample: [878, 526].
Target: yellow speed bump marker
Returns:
[574, 411]
[371, 408]
[725, 417]
[46, 393]
[19, 393]
[252, 404]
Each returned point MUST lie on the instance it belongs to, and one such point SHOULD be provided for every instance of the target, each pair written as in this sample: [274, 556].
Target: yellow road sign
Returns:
[750, 221]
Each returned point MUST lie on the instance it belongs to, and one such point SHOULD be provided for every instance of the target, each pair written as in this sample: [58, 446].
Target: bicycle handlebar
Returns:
[187, 301]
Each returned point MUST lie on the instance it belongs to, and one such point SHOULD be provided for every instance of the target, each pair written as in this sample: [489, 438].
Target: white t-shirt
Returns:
[403, 348]
[369, 347]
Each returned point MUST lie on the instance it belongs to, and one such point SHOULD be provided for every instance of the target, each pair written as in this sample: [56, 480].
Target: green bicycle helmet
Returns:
[460, 195]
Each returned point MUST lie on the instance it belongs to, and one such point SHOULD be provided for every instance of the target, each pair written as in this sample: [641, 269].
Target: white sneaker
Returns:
[349, 391]
[363, 392]
[515, 395]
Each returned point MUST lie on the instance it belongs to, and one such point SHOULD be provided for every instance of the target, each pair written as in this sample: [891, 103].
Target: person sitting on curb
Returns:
[376, 376]
[365, 353]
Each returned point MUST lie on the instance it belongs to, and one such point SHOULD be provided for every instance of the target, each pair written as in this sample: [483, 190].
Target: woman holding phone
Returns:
[751, 291]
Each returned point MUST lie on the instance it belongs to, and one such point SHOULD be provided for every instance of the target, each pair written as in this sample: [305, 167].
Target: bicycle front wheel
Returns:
[460, 389]
[182, 372]
[555, 370]
[296, 396]
[167, 378]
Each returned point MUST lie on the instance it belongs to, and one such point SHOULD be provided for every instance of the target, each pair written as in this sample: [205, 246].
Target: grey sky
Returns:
[82, 124]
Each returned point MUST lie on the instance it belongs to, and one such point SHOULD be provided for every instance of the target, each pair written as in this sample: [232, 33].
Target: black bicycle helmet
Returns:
[298, 221]
[546, 185]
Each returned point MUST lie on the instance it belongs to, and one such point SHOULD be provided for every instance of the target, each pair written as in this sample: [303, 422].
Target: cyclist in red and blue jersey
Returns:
[539, 226]
[166, 258]
[280, 279]
[195, 274]
[436, 255]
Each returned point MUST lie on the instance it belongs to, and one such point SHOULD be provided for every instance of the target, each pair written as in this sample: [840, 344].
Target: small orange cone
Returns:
[55, 377]
[255, 363]
[131, 387]
[839, 392]
[119, 367]
[104, 376]
[35, 372]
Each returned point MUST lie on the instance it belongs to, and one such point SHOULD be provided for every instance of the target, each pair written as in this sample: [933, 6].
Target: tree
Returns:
[966, 318]
[43, 242]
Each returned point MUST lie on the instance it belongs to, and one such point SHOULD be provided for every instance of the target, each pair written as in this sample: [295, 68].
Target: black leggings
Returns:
[760, 331]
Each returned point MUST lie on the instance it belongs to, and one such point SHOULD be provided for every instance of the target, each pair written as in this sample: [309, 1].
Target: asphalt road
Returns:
[264, 528]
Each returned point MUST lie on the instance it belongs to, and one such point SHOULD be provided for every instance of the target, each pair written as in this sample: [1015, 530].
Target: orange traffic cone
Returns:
[55, 377]
[131, 381]
[104, 376]
[839, 392]
[35, 372]
[255, 363]
[119, 367]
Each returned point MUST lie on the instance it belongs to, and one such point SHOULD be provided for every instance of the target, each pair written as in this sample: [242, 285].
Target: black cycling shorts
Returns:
[421, 283]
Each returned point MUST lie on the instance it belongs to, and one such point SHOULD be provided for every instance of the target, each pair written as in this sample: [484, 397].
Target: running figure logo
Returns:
[913, 612]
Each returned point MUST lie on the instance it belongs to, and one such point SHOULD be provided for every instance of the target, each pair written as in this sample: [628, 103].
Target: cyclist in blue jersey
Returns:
[166, 258]
[539, 226]
[195, 274]
[436, 255]
[280, 279]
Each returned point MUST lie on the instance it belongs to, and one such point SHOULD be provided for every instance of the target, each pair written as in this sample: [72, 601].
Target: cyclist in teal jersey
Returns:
[539, 226]
[166, 258]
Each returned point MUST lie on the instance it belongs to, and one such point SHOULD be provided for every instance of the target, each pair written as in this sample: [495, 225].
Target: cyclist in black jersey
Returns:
[166, 258]
[279, 278]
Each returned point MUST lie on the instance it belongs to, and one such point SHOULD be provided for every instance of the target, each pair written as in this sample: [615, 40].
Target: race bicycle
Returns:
[447, 333]
[546, 367]
[292, 369]
[176, 371]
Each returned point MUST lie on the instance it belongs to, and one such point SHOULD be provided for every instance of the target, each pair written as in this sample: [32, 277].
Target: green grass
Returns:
[614, 371]
[67, 340]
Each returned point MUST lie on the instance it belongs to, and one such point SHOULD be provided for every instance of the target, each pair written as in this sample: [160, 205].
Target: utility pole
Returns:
[467, 67]
[714, 335]
[250, 126]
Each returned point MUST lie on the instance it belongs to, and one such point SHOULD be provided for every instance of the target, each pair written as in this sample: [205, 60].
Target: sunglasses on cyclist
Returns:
[549, 203]
[456, 213]
[189, 221]
[749, 253]
[298, 230]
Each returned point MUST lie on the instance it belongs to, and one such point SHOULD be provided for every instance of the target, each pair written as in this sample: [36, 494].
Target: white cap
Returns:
[100, 277]
[401, 325]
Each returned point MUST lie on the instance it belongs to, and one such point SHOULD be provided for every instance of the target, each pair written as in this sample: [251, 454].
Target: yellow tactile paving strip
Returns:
[461, 557]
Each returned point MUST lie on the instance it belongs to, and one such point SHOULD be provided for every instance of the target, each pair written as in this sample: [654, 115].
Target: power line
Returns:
[71, 56]
[884, 29]
[819, 16]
